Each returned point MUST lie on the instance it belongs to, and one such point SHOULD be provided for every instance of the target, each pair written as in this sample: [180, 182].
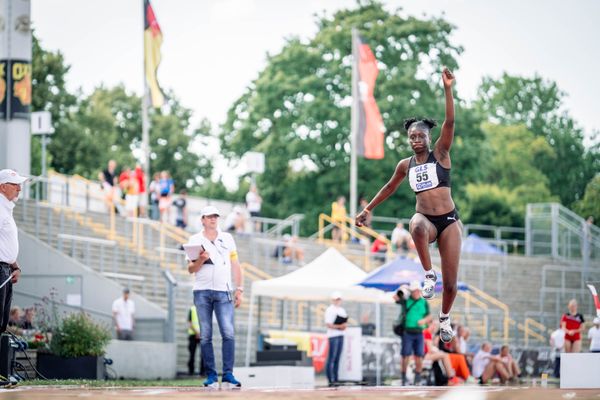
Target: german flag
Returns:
[152, 43]
[369, 126]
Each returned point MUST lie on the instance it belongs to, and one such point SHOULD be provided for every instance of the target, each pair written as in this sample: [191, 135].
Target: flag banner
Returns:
[370, 128]
[3, 88]
[152, 43]
[595, 297]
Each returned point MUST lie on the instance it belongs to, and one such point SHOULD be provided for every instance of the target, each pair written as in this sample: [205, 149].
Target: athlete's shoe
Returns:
[212, 381]
[229, 382]
[446, 332]
[429, 285]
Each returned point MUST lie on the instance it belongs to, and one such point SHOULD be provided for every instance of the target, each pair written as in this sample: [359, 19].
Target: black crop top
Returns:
[427, 176]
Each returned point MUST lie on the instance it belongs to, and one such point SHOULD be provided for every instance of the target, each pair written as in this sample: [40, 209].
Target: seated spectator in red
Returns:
[380, 247]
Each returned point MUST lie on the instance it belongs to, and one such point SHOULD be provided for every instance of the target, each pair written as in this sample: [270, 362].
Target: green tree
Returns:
[298, 110]
[49, 93]
[538, 103]
[590, 203]
[490, 205]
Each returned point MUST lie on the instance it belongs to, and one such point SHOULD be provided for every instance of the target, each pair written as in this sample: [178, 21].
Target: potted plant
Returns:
[76, 349]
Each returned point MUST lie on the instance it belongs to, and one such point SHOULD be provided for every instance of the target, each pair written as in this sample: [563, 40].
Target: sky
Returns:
[213, 49]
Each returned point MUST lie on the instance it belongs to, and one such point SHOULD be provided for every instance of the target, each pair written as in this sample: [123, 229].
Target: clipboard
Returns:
[340, 320]
[192, 251]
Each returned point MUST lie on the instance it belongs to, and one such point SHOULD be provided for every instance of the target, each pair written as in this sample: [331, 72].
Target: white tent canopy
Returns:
[329, 272]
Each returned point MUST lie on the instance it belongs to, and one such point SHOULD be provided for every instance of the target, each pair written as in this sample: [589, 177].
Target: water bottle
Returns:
[544, 382]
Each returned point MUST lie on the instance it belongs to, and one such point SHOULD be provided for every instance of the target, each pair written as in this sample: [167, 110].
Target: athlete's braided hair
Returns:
[423, 123]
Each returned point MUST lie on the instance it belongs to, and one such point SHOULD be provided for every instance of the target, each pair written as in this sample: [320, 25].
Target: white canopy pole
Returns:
[249, 332]
[379, 347]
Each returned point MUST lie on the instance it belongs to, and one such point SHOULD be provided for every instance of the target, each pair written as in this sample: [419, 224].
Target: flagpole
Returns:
[145, 102]
[354, 125]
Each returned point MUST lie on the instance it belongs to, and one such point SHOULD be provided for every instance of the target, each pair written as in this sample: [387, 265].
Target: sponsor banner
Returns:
[19, 91]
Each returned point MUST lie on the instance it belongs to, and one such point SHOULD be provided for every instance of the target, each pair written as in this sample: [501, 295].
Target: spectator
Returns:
[181, 213]
[154, 190]
[369, 220]
[457, 360]
[572, 323]
[254, 205]
[108, 177]
[132, 196]
[486, 366]
[434, 354]
[509, 362]
[124, 181]
[291, 251]
[166, 188]
[336, 321]
[557, 342]
[401, 238]
[416, 317]
[143, 199]
[235, 221]
[123, 310]
[27, 320]
[379, 247]
[14, 320]
[338, 216]
[594, 336]
[463, 333]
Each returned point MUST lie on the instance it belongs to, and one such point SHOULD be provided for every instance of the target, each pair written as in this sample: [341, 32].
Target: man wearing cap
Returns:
[214, 292]
[594, 336]
[335, 320]
[10, 187]
[123, 310]
[416, 318]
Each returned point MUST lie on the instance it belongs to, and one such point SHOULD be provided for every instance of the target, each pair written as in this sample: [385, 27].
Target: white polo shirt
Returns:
[125, 311]
[331, 313]
[9, 239]
[215, 276]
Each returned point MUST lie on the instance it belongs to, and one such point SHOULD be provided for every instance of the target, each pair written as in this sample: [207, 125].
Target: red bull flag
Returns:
[369, 125]
[152, 43]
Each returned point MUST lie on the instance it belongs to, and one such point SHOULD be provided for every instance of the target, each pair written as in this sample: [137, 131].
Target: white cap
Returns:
[336, 295]
[597, 321]
[414, 285]
[10, 176]
[209, 210]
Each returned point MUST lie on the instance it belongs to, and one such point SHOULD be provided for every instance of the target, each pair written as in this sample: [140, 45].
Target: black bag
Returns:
[398, 327]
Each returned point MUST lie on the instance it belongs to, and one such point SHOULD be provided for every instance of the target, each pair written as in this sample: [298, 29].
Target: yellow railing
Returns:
[503, 306]
[529, 332]
[469, 298]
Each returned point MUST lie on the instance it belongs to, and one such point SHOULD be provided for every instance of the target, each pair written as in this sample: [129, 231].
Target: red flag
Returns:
[369, 126]
[152, 43]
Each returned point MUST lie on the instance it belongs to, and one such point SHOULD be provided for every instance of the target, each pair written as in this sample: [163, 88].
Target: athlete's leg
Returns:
[449, 243]
[568, 346]
[423, 232]
[576, 346]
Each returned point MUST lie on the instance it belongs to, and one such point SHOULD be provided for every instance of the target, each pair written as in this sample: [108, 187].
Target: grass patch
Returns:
[113, 383]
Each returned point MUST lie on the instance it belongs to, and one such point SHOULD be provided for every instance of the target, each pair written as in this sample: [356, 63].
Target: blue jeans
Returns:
[333, 359]
[412, 343]
[207, 301]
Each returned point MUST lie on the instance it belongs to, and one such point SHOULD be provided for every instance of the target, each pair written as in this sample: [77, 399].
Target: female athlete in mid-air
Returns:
[436, 217]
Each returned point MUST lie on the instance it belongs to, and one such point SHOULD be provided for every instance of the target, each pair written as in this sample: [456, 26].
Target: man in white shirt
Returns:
[336, 322]
[215, 293]
[486, 366]
[400, 238]
[594, 336]
[254, 204]
[123, 310]
[10, 187]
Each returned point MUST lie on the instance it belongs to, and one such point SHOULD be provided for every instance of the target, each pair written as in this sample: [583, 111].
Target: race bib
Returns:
[423, 177]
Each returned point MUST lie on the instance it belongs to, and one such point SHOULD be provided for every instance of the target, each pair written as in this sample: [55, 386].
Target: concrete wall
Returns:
[142, 360]
[46, 269]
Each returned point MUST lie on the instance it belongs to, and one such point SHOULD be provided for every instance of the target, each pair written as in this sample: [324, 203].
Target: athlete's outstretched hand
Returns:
[361, 218]
[447, 77]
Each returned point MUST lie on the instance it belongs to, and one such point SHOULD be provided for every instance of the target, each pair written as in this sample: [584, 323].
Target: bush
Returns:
[78, 335]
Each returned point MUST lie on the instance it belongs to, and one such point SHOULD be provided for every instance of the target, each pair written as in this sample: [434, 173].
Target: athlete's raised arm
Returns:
[443, 144]
[385, 192]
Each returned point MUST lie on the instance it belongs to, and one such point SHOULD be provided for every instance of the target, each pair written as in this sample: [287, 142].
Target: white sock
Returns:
[444, 316]
[430, 274]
